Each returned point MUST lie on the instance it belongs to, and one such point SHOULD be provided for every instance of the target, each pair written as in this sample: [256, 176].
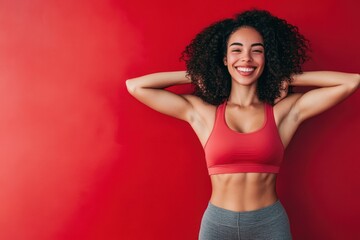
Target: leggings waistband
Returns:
[232, 218]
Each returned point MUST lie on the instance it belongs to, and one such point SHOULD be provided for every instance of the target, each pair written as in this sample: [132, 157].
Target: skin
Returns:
[244, 191]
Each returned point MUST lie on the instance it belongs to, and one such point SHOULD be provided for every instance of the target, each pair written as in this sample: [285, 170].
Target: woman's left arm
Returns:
[333, 87]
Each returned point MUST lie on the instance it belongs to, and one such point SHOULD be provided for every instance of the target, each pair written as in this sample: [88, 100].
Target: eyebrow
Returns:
[252, 45]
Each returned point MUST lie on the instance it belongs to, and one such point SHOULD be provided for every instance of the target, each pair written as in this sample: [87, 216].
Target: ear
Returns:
[225, 60]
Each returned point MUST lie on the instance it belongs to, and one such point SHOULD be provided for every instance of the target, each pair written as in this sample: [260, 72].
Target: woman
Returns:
[244, 115]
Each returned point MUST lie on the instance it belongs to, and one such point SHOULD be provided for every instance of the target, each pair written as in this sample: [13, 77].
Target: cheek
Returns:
[260, 60]
[230, 58]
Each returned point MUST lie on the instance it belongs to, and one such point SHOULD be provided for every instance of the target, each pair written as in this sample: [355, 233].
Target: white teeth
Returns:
[243, 69]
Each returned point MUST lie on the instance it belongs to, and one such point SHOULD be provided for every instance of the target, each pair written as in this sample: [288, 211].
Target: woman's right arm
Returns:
[149, 89]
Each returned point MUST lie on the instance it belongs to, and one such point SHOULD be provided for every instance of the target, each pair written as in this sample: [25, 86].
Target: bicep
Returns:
[319, 100]
[301, 106]
[165, 102]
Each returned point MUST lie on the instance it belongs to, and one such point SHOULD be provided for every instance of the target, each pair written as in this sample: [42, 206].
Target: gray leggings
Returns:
[270, 223]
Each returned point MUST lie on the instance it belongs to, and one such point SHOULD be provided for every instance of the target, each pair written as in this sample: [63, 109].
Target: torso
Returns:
[242, 191]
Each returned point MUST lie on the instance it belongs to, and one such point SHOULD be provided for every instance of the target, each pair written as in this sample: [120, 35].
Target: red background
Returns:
[81, 159]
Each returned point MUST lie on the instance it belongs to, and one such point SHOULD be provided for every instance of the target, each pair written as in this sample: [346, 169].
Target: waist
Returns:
[243, 191]
[242, 168]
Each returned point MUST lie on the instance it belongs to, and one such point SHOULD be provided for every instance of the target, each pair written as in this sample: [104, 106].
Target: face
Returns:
[245, 56]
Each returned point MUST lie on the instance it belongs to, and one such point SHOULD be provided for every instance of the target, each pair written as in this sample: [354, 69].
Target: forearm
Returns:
[325, 79]
[158, 80]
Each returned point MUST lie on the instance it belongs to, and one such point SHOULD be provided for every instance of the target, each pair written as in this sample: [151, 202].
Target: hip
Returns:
[270, 222]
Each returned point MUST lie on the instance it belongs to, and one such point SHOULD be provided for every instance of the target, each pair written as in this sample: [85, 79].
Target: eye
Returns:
[258, 51]
[236, 50]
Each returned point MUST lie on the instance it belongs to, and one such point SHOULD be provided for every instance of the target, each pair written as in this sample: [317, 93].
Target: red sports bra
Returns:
[229, 151]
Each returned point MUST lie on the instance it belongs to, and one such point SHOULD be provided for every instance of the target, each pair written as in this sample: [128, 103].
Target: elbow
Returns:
[130, 86]
[355, 83]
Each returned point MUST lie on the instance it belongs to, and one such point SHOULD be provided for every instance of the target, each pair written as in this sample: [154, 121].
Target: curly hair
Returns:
[285, 51]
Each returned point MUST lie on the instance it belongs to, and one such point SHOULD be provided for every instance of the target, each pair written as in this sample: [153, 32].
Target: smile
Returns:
[245, 69]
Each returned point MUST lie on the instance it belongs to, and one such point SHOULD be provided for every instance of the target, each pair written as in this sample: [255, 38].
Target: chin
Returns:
[246, 81]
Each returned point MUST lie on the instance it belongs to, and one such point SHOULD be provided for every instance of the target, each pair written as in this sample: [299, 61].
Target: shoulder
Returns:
[199, 104]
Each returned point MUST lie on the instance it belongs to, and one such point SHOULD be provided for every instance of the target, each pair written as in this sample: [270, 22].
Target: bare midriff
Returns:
[243, 191]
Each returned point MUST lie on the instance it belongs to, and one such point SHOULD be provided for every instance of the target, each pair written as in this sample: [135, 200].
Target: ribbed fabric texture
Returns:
[268, 223]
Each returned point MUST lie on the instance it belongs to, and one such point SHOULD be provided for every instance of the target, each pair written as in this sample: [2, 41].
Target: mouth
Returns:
[245, 71]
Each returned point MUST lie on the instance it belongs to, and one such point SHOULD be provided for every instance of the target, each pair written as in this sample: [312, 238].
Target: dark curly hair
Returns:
[285, 51]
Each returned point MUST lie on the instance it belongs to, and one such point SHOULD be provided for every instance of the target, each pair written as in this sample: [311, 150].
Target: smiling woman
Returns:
[243, 115]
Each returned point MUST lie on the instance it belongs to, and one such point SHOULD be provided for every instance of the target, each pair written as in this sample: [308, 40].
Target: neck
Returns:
[243, 95]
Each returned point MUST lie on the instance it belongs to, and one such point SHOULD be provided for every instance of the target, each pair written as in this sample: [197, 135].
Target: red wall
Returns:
[81, 159]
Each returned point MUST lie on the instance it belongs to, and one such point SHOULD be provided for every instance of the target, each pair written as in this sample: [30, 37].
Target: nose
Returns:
[246, 56]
